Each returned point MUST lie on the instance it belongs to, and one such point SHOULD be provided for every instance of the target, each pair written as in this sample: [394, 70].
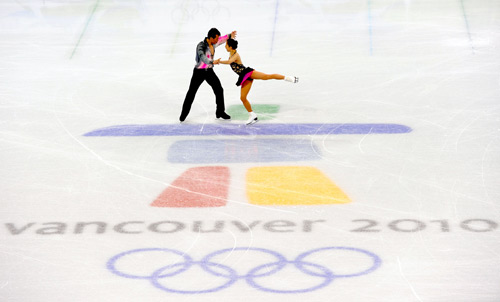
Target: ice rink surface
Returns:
[375, 178]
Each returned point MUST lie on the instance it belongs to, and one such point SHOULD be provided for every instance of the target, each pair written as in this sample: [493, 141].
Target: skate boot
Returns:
[252, 119]
[222, 115]
[291, 79]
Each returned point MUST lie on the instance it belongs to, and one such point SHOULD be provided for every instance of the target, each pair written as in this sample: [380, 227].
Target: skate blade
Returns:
[255, 120]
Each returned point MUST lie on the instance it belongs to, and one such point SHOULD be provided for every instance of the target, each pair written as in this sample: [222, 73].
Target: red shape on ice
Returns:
[197, 187]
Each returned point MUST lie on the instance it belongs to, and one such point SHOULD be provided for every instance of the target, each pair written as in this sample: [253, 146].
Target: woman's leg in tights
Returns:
[245, 89]
[257, 75]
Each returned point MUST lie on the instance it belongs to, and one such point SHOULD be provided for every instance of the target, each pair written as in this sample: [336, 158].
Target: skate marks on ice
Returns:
[207, 186]
[235, 129]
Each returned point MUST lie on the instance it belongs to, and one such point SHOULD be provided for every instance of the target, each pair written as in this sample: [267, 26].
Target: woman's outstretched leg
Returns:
[257, 75]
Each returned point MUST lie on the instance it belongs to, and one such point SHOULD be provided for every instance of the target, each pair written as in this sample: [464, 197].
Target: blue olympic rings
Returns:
[209, 265]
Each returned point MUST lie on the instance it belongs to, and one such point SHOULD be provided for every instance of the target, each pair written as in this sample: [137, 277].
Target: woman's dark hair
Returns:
[232, 43]
[213, 32]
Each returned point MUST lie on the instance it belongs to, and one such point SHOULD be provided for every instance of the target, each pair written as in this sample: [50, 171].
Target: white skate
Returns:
[252, 119]
[292, 79]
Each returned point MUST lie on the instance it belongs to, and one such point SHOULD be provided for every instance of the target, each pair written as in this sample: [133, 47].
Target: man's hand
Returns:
[233, 34]
[216, 62]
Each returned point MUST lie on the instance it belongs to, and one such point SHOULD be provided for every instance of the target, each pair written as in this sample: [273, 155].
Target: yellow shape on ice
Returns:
[292, 186]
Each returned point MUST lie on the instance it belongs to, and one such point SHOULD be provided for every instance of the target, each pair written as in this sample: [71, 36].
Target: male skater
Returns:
[203, 71]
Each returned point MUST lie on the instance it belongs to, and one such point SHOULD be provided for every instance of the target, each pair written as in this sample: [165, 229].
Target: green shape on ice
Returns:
[264, 111]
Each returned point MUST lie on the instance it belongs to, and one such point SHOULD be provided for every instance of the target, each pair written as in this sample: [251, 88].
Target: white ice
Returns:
[428, 201]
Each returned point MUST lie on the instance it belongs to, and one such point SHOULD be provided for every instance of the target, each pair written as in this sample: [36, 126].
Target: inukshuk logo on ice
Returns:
[207, 183]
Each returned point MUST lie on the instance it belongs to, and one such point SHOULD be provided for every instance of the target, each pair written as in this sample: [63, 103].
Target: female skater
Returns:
[247, 75]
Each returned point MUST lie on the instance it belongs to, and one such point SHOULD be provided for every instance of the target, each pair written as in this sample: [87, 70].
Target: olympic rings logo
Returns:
[175, 277]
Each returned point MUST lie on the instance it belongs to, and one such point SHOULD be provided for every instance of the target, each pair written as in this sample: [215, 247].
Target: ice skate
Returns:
[291, 79]
[252, 119]
[223, 116]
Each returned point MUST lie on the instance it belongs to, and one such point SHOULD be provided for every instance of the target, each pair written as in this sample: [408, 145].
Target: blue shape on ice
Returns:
[242, 151]
[258, 129]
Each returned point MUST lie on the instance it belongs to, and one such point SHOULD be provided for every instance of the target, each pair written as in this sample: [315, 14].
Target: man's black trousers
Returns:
[199, 76]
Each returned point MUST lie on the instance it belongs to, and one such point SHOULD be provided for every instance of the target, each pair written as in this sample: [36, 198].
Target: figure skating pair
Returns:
[203, 71]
